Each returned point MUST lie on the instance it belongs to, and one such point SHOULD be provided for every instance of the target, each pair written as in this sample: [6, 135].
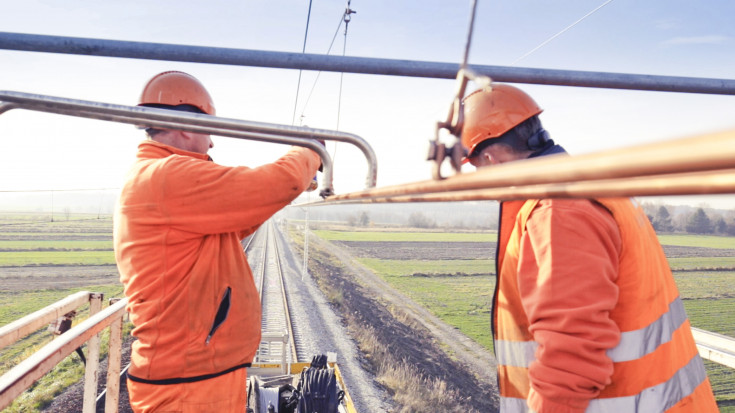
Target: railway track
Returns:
[279, 339]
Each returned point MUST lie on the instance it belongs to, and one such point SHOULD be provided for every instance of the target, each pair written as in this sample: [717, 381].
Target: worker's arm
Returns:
[206, 198]
[567, 272]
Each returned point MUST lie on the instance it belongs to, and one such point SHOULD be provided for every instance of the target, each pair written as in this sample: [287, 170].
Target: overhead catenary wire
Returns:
[303, 50]
[470, 29]
[346, 17]
[313, 86]
[545, 42]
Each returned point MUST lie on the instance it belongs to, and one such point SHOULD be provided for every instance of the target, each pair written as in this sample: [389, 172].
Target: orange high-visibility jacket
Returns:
[586, 315]
[177, 231]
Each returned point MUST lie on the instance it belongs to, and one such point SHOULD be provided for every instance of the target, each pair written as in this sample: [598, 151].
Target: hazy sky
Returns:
[395, 115]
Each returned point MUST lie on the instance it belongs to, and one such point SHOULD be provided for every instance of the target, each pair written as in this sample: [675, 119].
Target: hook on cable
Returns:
[348, 12]
[438, 151]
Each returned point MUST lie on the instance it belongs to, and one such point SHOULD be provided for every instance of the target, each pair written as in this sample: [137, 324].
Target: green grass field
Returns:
[14, 305]
[28, 245]
[706, 241]
[434, 267]
[405, 236]
[33, 240]
[13, 234]
[17, 304]
[80, 240]
[707, 285]
[694, 263]
[465, 301]
[460, 301]
[24, 258]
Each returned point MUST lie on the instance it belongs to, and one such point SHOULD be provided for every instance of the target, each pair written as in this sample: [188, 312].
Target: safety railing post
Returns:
[93, 360]
[112, 396]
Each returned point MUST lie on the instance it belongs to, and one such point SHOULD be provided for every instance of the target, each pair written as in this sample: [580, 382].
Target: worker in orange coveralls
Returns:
[586, 315]
[177, 231]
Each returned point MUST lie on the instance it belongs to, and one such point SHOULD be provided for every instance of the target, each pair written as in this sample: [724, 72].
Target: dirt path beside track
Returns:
[445, 354]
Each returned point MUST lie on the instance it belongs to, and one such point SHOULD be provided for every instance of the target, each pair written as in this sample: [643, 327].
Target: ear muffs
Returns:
[538, 140]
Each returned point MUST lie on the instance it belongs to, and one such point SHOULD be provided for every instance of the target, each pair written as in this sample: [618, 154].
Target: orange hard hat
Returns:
[176, 88]
[493, 111]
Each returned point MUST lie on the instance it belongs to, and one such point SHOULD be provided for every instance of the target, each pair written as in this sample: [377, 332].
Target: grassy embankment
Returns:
[707, 285]
[34, 241]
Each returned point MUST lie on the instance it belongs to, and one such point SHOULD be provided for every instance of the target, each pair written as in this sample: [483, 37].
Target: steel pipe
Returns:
[327, 174]
[364, 65]
[715, 347]
[12, 332]
[698, 183]
[662, 160]
[4, 107]
[153, 117]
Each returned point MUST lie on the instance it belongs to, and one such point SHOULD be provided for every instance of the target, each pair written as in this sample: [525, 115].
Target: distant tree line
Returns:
[697, 222]
[484, 215]
[362, 220]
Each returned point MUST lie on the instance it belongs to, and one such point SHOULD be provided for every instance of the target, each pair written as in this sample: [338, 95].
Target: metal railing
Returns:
[715, 347]
[200, 123]
[363, 65]
[28, 371]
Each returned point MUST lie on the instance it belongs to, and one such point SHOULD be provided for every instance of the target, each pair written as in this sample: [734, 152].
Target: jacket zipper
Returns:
[222, 311]
[497, 287]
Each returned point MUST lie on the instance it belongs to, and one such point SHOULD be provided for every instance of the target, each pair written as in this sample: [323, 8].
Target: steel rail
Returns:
[286, 308]
[276, 310]
[263, 260]
[246, 247]
[362, 65]
[235, 128]
[664, 160]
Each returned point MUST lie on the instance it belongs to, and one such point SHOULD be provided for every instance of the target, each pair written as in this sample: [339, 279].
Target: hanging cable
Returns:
[561, 32]
[303, 50]
[470, 29]
[336, 32]
[347, 17]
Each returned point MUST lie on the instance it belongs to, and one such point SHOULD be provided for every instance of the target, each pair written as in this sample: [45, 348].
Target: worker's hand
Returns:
[313, 185]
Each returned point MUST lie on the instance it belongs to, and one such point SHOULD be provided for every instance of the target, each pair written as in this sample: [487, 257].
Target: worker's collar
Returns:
[163, 150]
[550, 148]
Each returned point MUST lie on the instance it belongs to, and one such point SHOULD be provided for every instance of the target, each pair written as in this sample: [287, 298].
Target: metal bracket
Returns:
[455, 120]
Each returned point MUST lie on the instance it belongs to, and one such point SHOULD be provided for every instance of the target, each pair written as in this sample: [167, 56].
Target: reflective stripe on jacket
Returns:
[177, 231]
[587, 316]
